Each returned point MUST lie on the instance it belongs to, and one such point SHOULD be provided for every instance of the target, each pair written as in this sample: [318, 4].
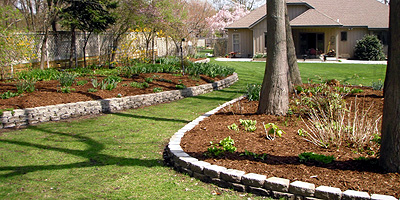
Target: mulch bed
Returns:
[47, 92]
[346, 172]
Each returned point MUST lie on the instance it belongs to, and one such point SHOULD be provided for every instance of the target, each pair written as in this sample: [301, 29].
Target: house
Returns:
[318, 26]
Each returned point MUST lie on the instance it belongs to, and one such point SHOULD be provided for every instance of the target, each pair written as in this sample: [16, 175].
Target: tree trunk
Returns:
[84, 48]
[294, 73]
[390, 147]
[72, 49]
[274, 97]
[43, 49]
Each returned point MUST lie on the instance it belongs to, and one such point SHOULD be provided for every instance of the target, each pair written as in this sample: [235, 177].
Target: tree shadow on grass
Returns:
[151, 118]
[92, 155]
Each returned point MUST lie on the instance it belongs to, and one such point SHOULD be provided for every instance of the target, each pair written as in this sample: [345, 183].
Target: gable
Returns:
[347, 13]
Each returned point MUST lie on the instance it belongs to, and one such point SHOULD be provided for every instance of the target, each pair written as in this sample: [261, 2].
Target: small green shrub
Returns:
[8, 94]
[148, 80]
[92, 90]
[113, 78]
[225, 145]
[66, 89]
[81, 82]
[273, 131]
[249, 125]
[378, 85]
[27, 85]
[369, 48]
[356, 90]
[254, 155]
[39, 75]
[95, 83]
[253, 92]
[67, 79]
[157, 89]
[311, 156]
[180, 86]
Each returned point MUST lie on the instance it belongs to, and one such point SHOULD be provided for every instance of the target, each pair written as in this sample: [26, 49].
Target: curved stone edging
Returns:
[250, 182]
[29, 116]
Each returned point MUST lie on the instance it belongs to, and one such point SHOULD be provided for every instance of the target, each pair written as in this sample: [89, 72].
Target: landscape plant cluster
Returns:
[330, 121]
[67, 77]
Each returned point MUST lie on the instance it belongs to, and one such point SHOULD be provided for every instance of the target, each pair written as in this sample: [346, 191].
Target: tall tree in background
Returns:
[86, 15]
[390, 147]
[294, 72]
[274, 97]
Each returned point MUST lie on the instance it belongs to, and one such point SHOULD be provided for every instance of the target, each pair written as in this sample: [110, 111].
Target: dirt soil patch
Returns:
[348, 171]
[48, 92]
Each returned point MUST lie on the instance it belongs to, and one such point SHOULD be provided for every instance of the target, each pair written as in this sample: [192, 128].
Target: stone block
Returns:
[284, 195]
[255, 180]
[382, 197]
[185, 161]
[302, 188]
[201, 177]
[187, 171]
[355, 195]
[213, 171]
[220, 182]
[277, 184]
[325, 192]
[232, 175]
[238, 187]
[259, 191]
[198, 166]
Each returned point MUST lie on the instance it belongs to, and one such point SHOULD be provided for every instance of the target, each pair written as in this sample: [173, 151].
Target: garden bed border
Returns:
[29, 116]
[275, 187]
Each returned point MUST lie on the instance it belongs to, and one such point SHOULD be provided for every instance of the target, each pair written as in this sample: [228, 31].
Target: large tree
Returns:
[294, 73]
[87, 15]
[390, 147]
[274, 97]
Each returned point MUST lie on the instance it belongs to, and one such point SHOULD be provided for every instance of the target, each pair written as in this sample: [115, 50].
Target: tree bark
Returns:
[390, 147]
[294, 73]
[274, 97]
[72, 49]
[43, 49]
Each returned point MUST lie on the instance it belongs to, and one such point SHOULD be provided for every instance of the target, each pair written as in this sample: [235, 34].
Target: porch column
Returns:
[337, 44]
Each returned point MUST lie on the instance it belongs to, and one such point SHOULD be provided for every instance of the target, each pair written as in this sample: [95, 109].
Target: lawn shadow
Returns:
[91, 154]
[151, 118]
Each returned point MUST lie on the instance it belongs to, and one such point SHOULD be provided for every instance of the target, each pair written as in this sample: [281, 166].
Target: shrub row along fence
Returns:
[29, 116]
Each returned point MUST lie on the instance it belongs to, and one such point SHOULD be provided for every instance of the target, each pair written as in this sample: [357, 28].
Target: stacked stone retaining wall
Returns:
[29, 116]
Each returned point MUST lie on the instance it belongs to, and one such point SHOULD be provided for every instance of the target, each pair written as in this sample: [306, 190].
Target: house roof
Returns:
[348, 13]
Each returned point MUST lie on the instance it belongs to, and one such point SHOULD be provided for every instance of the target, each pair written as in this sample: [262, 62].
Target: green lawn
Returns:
[119, 156]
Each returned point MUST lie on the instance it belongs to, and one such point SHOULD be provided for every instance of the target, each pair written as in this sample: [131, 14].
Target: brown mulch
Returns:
[346, 172]
[47, 92]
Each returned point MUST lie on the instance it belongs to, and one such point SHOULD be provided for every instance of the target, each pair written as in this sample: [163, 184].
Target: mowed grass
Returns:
[115, 156]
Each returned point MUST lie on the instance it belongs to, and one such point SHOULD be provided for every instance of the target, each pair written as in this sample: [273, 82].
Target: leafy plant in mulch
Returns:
[66, 79]
[254, 155]
[313, 157]
[377, 85]
[234, 127]
[157, 89]
[249, 125]
[39, 75]
[272, 130]
[66, 89]
[225, 145]
[253, 92]
[27, 85]
[81, 82]
[180, 86]
[8, 94]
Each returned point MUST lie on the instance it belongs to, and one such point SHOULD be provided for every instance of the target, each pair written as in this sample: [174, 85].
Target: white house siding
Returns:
[259, 38]
[246, 42]
[347, 47]
[296, 10]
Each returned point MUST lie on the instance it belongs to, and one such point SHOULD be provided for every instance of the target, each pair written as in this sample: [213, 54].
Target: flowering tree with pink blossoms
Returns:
[225, 17]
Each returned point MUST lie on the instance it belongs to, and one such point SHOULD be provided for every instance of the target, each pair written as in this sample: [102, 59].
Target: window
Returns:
[236, 42]
[265, 40]
[343, 35]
